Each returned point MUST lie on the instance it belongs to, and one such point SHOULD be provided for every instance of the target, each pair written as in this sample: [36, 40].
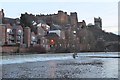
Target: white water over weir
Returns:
[12, 59]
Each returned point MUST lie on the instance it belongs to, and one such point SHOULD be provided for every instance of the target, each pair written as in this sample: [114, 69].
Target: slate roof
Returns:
[51, 35]
[55, 27]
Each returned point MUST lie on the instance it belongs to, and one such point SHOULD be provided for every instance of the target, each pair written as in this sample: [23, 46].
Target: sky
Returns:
[86, 10]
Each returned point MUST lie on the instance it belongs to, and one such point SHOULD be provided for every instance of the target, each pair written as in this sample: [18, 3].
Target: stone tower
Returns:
[27, 36]
[62, 17]
[73, 19]
[98, 22]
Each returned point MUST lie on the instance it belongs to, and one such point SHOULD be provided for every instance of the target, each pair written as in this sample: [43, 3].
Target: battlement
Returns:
[60, 11]
[73, 13]
[73, 19]
[98, 22]
[61, 18]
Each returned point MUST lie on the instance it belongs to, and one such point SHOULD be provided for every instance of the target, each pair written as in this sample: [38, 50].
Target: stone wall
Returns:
[10, 49]
[23, 50]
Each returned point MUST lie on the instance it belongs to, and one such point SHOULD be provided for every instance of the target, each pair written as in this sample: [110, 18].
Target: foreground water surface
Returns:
[86, 65]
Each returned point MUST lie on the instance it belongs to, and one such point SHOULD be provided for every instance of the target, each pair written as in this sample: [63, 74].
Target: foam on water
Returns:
[33, 59]
[12, 59]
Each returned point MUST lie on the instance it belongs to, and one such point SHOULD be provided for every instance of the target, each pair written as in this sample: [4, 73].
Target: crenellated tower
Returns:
[98, 22]
[62, 17]
[73, 19]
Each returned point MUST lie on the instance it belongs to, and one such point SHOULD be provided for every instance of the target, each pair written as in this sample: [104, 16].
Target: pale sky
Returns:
[86, 10]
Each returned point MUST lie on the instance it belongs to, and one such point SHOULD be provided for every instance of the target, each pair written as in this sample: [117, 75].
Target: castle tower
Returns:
[73, 19]
[62, 18]
[27, 36]
[98, 22]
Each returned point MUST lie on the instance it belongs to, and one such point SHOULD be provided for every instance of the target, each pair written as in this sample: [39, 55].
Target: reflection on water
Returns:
[52, 68]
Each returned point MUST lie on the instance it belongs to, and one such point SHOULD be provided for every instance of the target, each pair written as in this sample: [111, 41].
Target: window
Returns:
[20, 32]
[9, 30]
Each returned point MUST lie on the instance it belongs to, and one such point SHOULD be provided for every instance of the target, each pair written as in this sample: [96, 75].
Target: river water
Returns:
[86, 65]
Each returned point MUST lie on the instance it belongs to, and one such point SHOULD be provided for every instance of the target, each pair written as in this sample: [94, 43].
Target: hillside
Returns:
[99, 40]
